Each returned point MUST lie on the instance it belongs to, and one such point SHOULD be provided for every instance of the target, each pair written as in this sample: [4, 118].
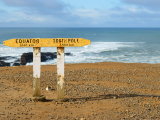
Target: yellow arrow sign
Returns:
[47, 42]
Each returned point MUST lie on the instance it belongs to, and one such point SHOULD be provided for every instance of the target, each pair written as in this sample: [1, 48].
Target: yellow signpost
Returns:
[47, 42]
[37, 43]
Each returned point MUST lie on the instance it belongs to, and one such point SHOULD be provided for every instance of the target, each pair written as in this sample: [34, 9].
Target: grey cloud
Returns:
[42, 4]
[54, 4]
[55, 8]
[137, 15]
[2, 11]
[133, 23]
[116, 8]
[20, 3]
[153, 4]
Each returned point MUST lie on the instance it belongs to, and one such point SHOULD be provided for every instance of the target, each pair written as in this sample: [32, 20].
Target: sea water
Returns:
[128, 45]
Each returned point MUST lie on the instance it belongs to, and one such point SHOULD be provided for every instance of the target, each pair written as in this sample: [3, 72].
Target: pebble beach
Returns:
[97, 91]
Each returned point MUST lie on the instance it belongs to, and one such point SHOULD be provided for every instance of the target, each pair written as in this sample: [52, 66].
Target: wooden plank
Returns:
[36, 71]
[60, 73]
[47, 42]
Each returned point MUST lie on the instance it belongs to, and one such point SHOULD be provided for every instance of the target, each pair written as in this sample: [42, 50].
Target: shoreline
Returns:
[93, 63]
[105, 90]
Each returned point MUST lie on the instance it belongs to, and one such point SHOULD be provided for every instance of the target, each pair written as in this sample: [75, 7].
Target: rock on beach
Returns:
[27, 58]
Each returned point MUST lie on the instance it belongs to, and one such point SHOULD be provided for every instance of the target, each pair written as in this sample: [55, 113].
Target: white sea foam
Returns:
[128, 52]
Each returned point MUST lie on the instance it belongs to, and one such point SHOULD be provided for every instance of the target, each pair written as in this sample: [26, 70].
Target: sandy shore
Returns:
[96, 91]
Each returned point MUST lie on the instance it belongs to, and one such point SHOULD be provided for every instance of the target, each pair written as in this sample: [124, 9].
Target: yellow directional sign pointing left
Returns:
[47, 42]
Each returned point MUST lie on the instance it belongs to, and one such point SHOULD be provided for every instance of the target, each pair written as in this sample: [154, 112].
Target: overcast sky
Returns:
[79, 13]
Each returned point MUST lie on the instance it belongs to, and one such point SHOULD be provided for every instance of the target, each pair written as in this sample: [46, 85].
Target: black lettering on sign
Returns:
[65, 41]
[71, 44]
[16, 40]
[33, 41]
[24, 40]
[23, 45]
[77, 40]
[64, 44]
[69, 40]
[27, 41]
[20, 41]
[72, 40]
[59, 40]
[37, 41]
[54, 40]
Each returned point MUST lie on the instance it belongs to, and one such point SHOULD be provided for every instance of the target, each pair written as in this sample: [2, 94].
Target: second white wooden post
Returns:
[60, 73]
[36, 71]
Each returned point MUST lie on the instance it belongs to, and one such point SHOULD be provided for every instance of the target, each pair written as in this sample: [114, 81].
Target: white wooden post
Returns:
[36, 71]
[60, 73]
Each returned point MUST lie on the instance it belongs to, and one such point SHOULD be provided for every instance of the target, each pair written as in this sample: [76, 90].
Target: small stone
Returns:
[133, 115]
[115, 97]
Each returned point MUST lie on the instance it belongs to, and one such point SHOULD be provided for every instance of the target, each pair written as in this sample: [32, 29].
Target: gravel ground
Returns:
[96, 91]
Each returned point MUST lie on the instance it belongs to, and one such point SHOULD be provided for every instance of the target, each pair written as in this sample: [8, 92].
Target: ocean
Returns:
[128, 45]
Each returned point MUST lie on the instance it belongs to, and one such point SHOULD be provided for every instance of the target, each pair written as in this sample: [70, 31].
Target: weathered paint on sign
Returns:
[47, 42]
